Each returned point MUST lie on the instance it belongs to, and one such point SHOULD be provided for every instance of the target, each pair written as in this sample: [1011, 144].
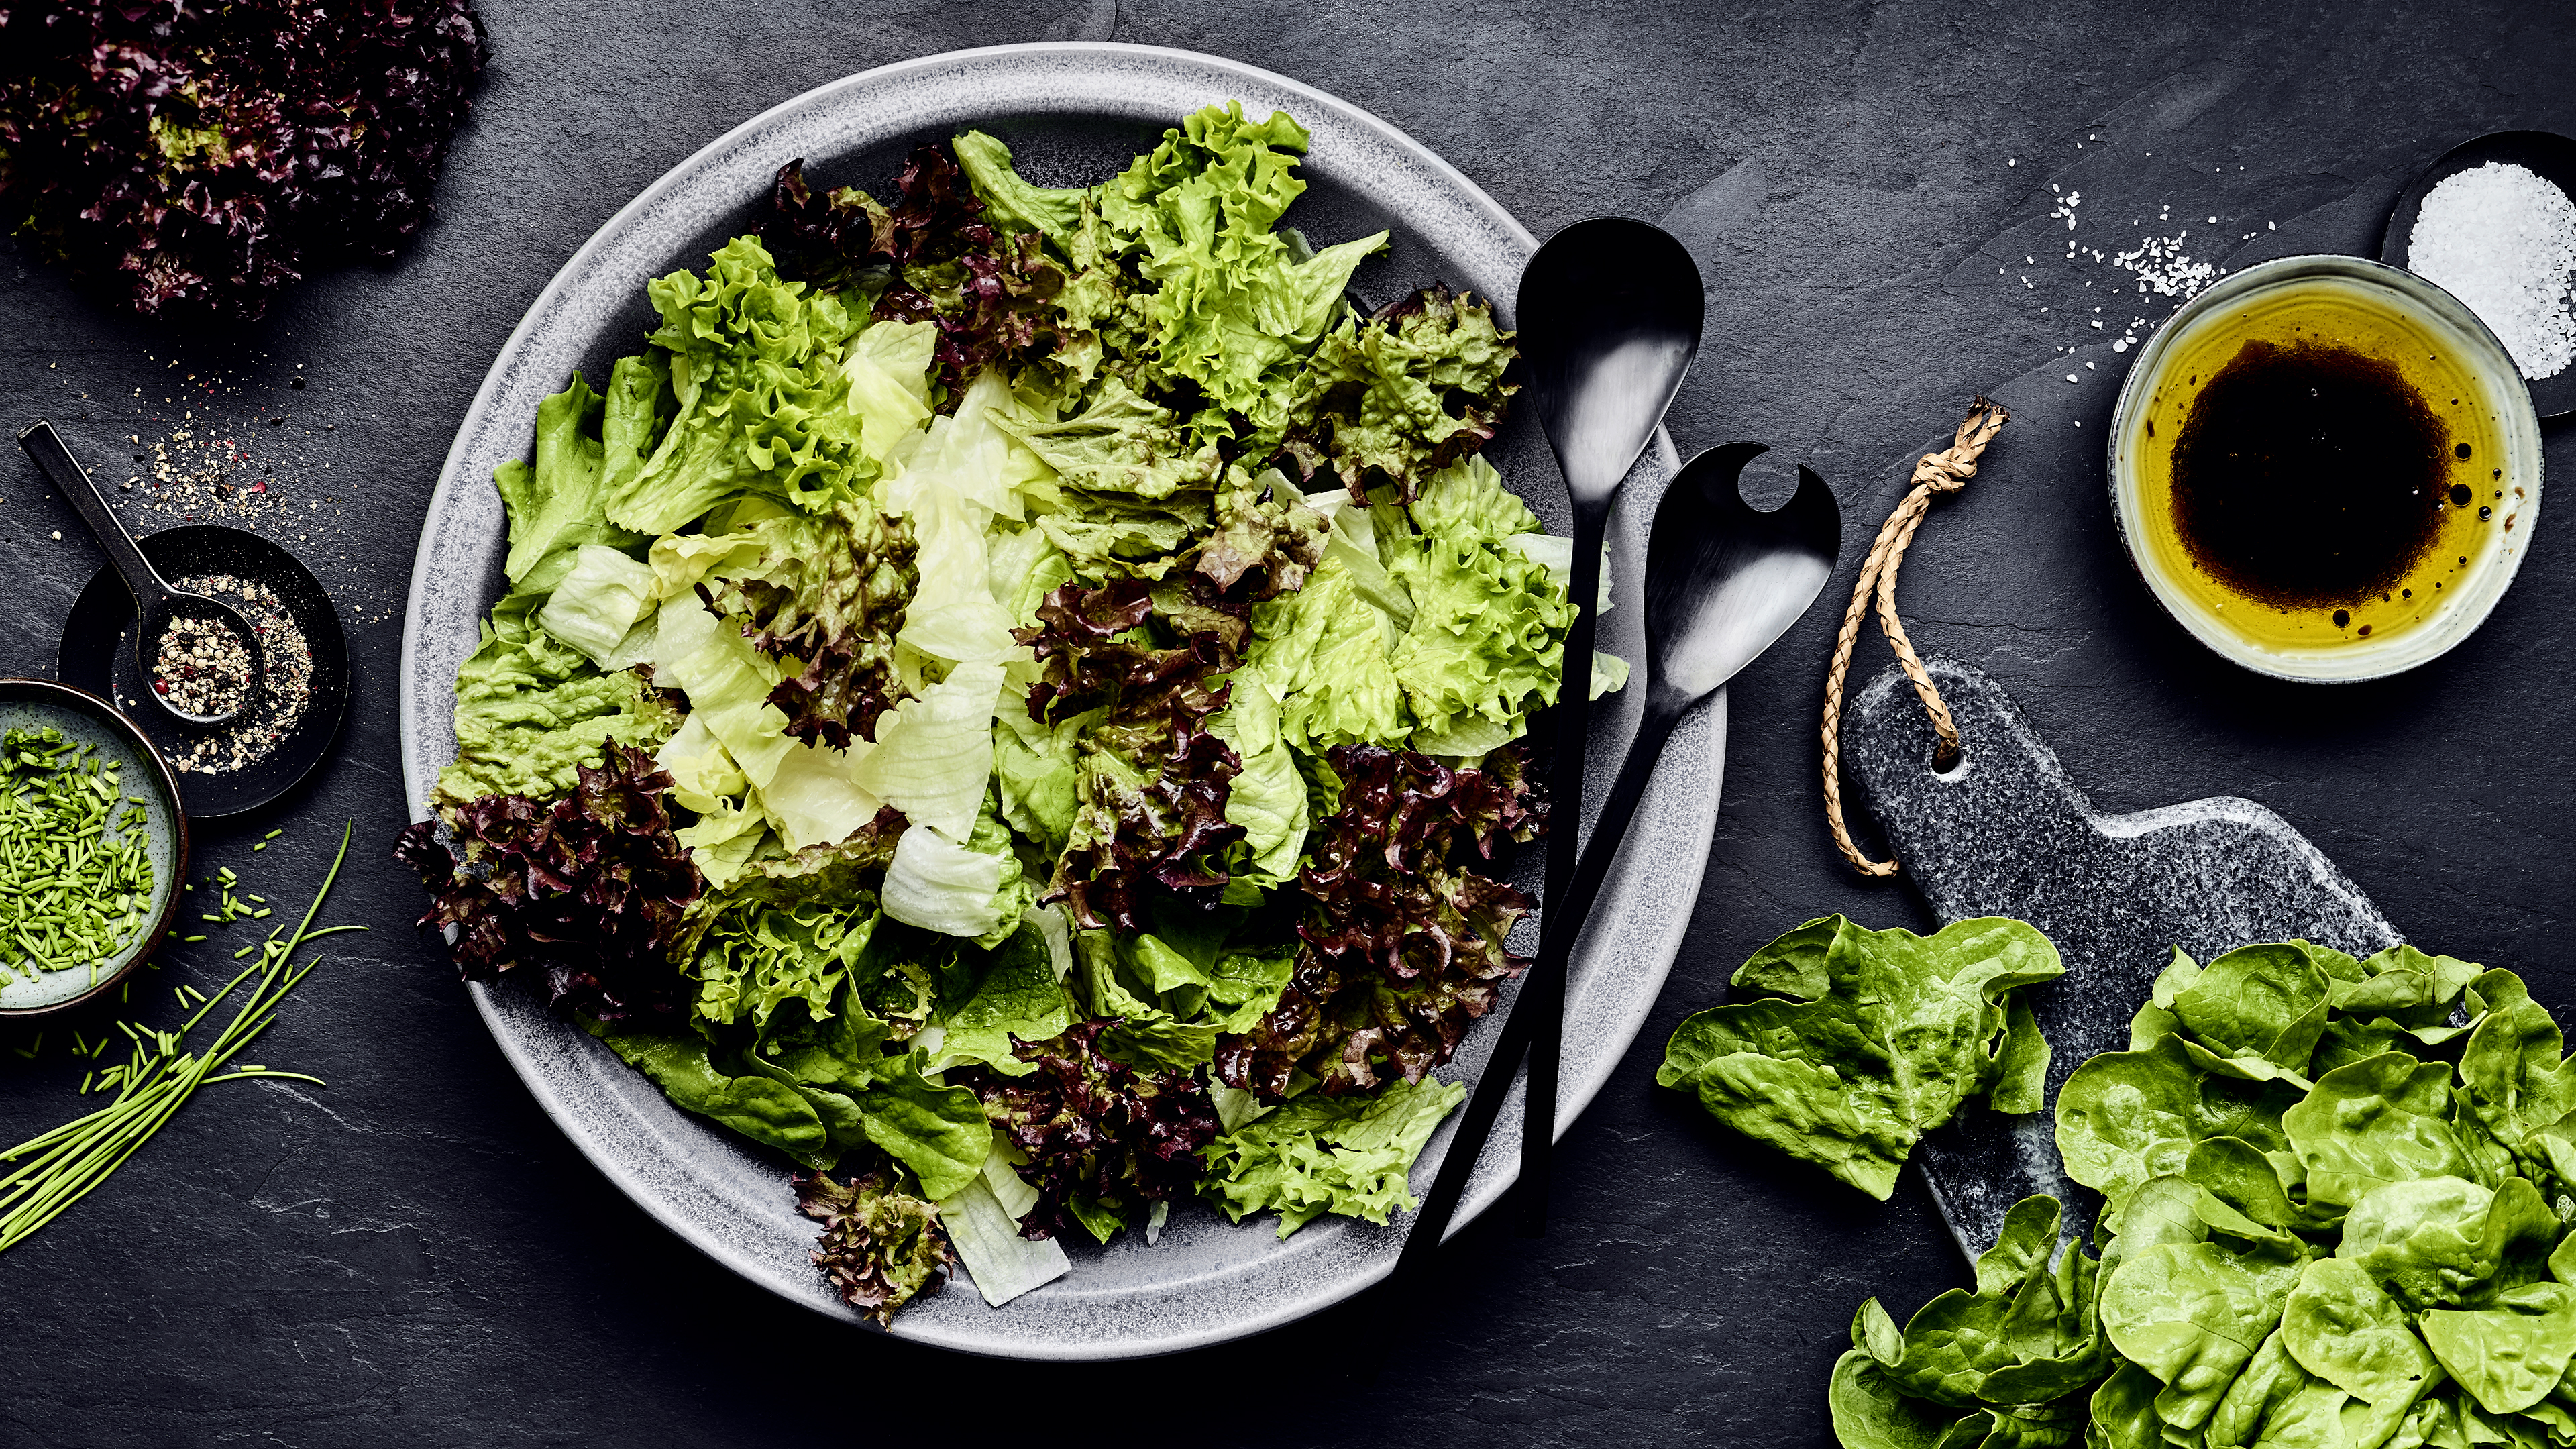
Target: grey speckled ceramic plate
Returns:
[1072, 112]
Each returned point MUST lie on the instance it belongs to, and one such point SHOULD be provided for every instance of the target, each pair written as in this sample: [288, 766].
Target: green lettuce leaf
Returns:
[2124, 1118]
[2024, 1335]
[1017, 995]
[1323, 655]
[939, 1132]
[1487, 638]
[2343, 1329]
[1903, 1030]
[599, 602]
[1267, 797]
[1319, 1154]
[2193, 1314]
[2511, 1356]
[983, 1220]
[766, 1111]
[934, 754]
[554, 505]
[762, 404]
[2446, 1242]
[531, 710]
[1122, 443]
[2375, 1122]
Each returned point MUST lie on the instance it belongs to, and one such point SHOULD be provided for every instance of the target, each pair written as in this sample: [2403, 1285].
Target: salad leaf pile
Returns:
[1013, 700]
[1865, 1040]
[193, 160]
[2337, 1196]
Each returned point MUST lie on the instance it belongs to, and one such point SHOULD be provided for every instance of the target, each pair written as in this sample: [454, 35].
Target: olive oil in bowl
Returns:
[2325, 469]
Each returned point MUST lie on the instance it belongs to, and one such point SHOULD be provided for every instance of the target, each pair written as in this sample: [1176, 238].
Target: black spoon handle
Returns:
[64, 471]
[1558, 932]
[1543, 999]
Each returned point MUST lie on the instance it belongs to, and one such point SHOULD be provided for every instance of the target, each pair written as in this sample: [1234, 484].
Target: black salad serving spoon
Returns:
[1609, 314]
[159, 605]
[1723, 582]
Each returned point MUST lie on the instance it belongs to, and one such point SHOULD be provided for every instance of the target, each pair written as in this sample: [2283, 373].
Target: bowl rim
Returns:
[2362, 662]
[99, 709]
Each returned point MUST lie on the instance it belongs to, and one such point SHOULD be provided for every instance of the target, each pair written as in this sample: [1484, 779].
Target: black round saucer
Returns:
[97, 654]
[2545, 154]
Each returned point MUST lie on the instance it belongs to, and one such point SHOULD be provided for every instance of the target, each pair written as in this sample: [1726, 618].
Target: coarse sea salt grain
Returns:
[2502, 239]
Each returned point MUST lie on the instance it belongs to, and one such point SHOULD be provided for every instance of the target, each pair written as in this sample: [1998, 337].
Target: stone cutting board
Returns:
[2004, 832]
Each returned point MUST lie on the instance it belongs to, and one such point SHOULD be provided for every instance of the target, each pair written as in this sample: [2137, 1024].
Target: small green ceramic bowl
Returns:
[36, 703]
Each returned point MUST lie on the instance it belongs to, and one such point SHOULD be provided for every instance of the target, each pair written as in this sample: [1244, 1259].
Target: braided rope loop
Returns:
[1947, 471]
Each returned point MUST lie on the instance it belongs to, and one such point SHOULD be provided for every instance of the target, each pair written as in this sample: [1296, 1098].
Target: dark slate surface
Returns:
[2003, 832]
[415, 1253]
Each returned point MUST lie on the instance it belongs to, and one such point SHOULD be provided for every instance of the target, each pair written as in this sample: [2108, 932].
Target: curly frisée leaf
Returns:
[761, 397]
[1320, 1154]
[1403, 394]
[590, 892]
[880, 1248]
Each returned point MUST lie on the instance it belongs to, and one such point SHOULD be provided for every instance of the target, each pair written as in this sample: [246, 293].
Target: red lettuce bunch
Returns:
[192, 159]
[881, 1248]
[1403, 947]
[991, 295]
[590, 891]
[1100, 1135]
[1157, 777]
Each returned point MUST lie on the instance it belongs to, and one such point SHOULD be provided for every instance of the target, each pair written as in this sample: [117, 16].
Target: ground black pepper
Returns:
[286, 662]
[202, 667]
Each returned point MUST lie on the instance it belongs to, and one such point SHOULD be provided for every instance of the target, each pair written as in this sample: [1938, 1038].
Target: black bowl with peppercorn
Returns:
[260, 755]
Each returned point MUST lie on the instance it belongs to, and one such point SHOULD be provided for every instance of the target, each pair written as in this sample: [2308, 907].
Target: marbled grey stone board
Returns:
[2004, 832]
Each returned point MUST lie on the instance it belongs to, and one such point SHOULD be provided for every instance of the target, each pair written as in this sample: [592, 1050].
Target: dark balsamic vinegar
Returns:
[2309, 475]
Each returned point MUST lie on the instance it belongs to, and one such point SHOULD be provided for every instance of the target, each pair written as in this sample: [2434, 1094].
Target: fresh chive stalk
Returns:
[53, 1170]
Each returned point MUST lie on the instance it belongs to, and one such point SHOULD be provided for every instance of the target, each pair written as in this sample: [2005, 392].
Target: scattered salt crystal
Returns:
[2502, 239]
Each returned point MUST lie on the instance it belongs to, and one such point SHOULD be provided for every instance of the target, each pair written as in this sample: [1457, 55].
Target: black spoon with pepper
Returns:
[201, 659]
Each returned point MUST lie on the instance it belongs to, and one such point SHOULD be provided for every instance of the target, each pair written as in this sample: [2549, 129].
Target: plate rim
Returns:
[1487, 1185]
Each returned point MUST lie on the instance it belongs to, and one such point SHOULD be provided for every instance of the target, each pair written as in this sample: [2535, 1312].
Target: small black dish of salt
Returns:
[286, 729]
[2493, 222]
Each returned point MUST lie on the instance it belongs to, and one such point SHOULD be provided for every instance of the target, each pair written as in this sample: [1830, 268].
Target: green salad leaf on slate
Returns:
[1013, 700]
[2335, 1213]
[1866, 1040]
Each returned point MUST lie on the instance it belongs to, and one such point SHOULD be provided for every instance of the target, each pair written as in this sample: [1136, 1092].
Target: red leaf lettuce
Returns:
[1104, 1139]
[591, 891]
[1403, 948]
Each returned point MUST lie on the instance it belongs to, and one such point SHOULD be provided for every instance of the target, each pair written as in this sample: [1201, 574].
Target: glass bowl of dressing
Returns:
[2325, 469]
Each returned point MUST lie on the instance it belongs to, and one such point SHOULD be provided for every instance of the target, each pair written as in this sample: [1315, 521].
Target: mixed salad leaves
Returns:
[1014, 699]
